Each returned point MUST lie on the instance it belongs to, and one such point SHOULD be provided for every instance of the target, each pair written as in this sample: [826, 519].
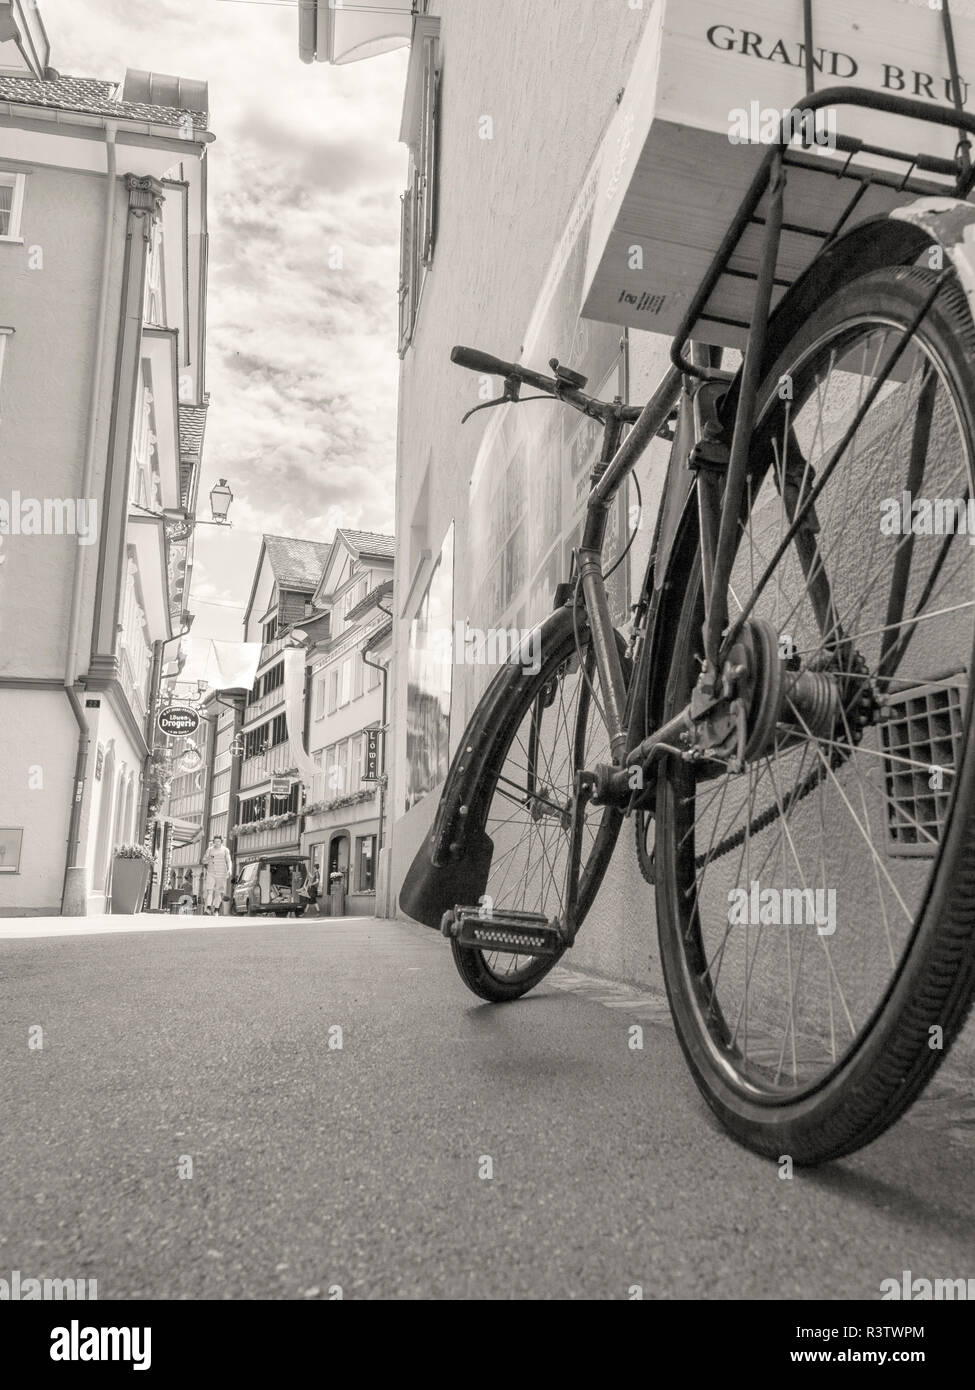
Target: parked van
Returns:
[271, 885]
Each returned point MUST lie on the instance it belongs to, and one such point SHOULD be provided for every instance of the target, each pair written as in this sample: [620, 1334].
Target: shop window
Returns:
[365, 860]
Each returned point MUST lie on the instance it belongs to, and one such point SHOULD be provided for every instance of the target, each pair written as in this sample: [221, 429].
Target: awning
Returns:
[330, 33]
[184, 832]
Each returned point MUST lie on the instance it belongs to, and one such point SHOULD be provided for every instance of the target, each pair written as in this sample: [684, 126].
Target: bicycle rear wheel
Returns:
[553, 729]
[816, 909]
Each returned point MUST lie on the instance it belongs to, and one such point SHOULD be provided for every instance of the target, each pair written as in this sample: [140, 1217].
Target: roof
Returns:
[370, 601]
[192, 422]
[369, 543]
[377, 638]
[95, 97]
[297, 564]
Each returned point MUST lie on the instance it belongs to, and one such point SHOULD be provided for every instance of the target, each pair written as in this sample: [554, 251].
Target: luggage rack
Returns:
[768, 186]
[769, 183]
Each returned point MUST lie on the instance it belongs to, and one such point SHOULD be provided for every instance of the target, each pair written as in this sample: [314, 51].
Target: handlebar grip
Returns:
[476, 361]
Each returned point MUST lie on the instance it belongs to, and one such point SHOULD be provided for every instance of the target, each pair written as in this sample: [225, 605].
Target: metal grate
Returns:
[924, 727]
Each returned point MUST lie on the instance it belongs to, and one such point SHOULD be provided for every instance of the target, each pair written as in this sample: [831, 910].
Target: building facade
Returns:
[342, 828]
[268, 819]
[103, 252]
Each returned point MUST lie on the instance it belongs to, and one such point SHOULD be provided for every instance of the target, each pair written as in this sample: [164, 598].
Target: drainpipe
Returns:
[384, 672]
[155, 681]
[233, 793]
[74, 892]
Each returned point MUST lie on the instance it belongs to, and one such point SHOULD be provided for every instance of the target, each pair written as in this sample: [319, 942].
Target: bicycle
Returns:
[790, 714]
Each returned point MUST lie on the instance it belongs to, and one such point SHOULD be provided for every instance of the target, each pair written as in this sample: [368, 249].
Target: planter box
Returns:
[129, 880]
[668, 179]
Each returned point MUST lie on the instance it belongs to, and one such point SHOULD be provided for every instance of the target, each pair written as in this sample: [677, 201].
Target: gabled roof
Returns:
[297, 564]
[92, 96]
[369, 544]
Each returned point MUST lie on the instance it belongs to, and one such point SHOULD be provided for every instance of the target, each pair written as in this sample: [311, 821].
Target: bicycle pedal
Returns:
[520, 933]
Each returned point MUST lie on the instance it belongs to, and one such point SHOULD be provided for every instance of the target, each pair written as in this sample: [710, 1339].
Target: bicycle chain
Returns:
[737, 838]
[771, 813]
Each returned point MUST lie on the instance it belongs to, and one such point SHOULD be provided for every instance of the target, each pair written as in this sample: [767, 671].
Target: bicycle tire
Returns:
[478, 969]
[930, 993]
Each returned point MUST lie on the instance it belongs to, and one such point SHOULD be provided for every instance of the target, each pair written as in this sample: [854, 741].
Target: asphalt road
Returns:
[361, 1166]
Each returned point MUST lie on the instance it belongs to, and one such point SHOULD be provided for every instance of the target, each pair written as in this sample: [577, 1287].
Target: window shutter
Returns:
[407, 270]
[429, 152]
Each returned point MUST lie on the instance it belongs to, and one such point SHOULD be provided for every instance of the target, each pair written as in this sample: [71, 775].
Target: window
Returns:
[318, 781]
[256, 742]
[270, 630]
[330, 769]
[273, 679]
[419, 210]
[374, 674]
[333, 689]
[355, 763]
[345, 692]
[278, 730]
[252, 809]
[11, 205]
[354, 597]
[155, 313]
[365, 862]
[342, 759]
[358, 673]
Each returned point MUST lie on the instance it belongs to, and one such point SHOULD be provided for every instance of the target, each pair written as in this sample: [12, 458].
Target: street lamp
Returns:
[220, 500]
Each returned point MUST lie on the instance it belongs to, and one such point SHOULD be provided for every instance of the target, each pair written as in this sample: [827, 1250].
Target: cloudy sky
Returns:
[301, 367]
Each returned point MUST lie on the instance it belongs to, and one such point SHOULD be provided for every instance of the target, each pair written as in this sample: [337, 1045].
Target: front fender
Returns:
[454, 861]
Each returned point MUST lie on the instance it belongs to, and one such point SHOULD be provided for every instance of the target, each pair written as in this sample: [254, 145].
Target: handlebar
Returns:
[476, 361]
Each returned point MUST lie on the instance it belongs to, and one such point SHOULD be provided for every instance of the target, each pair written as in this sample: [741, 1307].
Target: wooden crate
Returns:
[670, 180]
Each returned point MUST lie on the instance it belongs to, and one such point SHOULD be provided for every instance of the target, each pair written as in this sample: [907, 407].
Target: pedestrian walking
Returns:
[310, 890]
[217, 868]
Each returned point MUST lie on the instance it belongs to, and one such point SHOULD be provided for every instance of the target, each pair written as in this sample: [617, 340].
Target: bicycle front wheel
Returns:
[816, 903]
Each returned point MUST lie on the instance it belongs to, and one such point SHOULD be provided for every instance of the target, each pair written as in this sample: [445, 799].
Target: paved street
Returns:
[359, 1166]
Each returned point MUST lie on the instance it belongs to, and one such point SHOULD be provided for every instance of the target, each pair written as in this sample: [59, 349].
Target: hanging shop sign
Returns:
[178, 720]
[372, 772]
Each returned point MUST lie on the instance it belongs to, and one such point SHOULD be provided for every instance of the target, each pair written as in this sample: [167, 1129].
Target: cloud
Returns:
[306, 172]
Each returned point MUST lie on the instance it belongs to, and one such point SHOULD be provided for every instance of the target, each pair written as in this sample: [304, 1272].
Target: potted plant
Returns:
[130, 876]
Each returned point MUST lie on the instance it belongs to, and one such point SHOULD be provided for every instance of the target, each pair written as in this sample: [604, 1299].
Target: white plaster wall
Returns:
[550, 85]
